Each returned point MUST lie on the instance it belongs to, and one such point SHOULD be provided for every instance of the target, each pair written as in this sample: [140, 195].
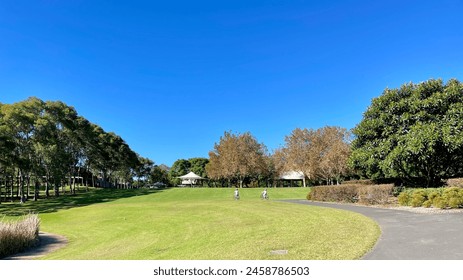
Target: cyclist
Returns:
[237, 194]
[264, 194]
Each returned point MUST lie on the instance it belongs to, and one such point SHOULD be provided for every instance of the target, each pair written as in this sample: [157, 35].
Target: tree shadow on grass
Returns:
[82, 198]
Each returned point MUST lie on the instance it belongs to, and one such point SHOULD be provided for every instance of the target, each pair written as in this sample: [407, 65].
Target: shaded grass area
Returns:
[207, 224]
[64, 202]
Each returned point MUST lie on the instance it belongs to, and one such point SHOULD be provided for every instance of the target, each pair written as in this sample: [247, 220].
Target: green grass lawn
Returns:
[203, 224]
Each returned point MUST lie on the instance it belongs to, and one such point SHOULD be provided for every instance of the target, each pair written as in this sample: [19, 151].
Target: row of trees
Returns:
[414, 133]
[411, 135]
[48, 143]
[320, 155]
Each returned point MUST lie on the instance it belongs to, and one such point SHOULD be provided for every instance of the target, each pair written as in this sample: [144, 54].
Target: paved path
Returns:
[410, 236]
[48, 243]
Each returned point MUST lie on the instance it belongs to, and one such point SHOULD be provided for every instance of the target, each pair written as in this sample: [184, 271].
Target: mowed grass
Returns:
[207, 224]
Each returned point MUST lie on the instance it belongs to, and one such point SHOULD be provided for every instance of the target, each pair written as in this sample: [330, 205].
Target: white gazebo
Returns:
[292, 176]
[190, 179]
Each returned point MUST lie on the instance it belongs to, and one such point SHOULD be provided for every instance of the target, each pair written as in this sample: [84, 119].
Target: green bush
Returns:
[418, 198]
[433, 194]
[404, 198]
[451, 197]
[18, 236]
[427, 203]
[439, 202]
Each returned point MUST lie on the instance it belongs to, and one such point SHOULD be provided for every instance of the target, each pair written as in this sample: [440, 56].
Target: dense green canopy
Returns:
[50, 142]
[414, 133]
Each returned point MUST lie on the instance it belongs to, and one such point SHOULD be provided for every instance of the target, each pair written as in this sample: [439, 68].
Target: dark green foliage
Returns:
[414, 133]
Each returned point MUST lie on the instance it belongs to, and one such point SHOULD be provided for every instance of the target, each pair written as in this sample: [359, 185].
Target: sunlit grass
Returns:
[208, 224]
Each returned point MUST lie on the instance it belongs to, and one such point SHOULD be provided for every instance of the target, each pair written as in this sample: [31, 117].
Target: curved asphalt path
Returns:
[410, 236]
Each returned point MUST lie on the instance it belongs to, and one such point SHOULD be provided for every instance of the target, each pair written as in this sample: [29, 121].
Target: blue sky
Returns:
[171, 76]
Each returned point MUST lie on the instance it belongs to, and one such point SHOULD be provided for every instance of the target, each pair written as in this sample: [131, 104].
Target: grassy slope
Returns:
[209, 224]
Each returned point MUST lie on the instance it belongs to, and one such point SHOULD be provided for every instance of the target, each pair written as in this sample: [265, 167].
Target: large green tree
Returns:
[179, 168]
[414, 133]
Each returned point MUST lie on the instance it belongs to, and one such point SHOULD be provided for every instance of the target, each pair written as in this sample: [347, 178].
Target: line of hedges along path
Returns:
[410, 236]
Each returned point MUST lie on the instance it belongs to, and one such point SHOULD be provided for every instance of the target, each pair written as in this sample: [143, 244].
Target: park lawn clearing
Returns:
[207, 224]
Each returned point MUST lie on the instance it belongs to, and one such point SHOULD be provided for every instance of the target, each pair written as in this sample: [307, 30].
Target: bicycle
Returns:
[264, 196]
[236, 195]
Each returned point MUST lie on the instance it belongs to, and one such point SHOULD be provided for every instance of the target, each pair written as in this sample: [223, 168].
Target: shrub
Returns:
[341, 193]
[418, 197]
[433, 194]
[18, 236]
[453, 196]
[427, 203]
[455, 182]
[373, 194]
[439, 202]
[376, 194]
[358, 182]
[404, 198]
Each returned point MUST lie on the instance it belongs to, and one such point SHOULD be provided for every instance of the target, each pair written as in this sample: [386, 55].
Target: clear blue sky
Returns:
[171, 76]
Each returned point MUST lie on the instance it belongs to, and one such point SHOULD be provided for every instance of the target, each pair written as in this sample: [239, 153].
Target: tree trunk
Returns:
[28, 186]
[56, 186]
[21, 187]
[47, 187]
[36, 190]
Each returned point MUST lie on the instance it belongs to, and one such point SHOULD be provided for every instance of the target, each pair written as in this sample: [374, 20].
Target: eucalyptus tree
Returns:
[413, 132]
[19, 120]
[49, 139]
[143, 171]
[6, 146]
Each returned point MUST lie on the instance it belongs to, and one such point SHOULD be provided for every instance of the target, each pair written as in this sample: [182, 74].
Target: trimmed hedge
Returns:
[444, 198]
[363, 194]
[455, 182]
[15, 237]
